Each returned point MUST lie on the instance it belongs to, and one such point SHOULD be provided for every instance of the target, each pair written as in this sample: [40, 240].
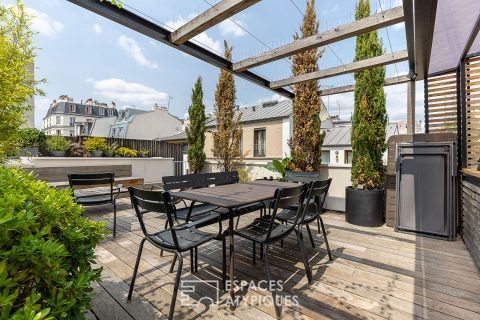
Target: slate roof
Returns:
[340, 136]
[271, 110]
[63, 107]
[179, 136]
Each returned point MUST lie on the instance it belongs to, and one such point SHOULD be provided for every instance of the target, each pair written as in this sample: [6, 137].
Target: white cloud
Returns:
[202, 38]
[43, 24]
[134, 51]
[331, 10]
[232, 27]
[97, 28]
[128, 93]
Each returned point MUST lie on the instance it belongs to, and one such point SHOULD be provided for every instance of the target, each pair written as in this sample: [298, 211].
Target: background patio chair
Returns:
[94, 198]
[267, 230]
[176, 238]
[318, 191]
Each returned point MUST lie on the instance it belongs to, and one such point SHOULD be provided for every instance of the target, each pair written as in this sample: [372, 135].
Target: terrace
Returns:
[375, 273]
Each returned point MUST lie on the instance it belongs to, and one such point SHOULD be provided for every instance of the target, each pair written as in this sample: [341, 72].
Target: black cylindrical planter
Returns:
[364, 207]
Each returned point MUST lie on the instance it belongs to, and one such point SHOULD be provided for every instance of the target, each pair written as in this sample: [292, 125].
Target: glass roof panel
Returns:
[454, 22]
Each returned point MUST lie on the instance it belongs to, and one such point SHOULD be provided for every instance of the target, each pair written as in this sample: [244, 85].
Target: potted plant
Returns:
[58, 146]
[95, 146]
[110, 150]
[32, 142]
[126, 152]
[307, 138]
[143, 153]
[364, 200]
[76, 150]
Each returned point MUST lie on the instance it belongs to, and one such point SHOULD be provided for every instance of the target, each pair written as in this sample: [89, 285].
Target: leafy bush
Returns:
[126, 152]
[76, 150]
[57, 143]
[31, 137]
[46, 250]
[143, 153]
[243, 175]
[95, 144]
[111, 149]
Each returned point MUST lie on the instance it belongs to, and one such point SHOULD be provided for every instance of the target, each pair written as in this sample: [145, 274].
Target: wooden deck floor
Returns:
[376, 273]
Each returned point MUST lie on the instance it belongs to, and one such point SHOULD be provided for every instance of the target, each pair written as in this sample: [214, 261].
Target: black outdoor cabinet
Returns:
[426, 189]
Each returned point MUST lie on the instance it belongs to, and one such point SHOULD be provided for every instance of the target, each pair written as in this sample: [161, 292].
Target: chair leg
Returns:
[304, 255]
[114, 218]
[196, 259]
[192, 260]
[238, 220]
[254, 253]
[261, 251]
[135, 270]
[224, 262]
[278, 310]
[310, 235]
[325, 237]
[166, 225]
[177, 283]
[318, 224]
[173, 263]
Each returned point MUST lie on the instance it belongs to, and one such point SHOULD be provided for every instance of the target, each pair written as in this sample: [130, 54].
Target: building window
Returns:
[120, 132]
[101, 111]
[71, 133]
[259, 141]
[348, 156]
[110, 112]
[88, 110]
[72, 121]
[114, 132]
[59, 132]
[58, 120]
[73, 108]
[326, 157]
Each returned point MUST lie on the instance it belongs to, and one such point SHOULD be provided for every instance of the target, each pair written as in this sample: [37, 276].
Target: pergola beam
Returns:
[216, 14]
[410, 34]
[350, 88]
[344, 69]
[424, 15]
[374, 22]
[156, 32]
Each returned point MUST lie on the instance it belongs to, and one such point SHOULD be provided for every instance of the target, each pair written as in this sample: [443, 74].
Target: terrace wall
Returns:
[470, 214]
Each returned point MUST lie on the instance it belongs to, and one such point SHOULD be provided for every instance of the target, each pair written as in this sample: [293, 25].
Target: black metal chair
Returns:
[175, 238]
[313, 204]
[267, 230]
[95, 199]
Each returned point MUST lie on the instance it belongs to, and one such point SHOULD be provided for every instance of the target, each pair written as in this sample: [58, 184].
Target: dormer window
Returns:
[101, 111]
[73, 108]
[88, 110]
[110, 112]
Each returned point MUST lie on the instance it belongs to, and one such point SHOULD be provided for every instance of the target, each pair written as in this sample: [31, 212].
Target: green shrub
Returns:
[76, 150]
[243, 175]
[46, 250]
[95, 144]
[57, 143]
[126, 152]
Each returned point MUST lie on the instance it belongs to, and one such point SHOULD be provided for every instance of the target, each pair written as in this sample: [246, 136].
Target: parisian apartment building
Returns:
[67, 117]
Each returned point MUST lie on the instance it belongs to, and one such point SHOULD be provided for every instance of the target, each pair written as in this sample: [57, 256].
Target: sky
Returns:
[86, 56]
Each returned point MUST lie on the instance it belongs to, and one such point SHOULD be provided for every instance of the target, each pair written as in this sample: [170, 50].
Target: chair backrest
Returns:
[92, 179]
[317, 190]
[305, 177]
[146, 201]
[199, 180]
[288, 197]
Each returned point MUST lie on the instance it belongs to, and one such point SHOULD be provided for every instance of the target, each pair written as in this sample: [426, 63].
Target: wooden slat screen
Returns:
[442, 103]
[472, 110]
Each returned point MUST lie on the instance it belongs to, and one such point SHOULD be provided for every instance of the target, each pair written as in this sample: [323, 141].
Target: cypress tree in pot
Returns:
[307, 139]
[365, 198]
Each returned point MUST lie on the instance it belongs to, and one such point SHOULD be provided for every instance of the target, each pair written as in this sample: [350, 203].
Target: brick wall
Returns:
[470, 215]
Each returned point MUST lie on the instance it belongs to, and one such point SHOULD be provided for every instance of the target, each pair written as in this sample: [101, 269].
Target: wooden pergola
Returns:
[419, 17]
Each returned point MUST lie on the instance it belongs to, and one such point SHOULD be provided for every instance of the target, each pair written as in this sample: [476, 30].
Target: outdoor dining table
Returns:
[230, 197]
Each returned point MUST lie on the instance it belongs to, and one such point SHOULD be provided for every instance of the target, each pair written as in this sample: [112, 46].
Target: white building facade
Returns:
[66, 117]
